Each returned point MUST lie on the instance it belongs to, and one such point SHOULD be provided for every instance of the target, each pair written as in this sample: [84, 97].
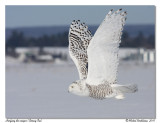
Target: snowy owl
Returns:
[96, 58]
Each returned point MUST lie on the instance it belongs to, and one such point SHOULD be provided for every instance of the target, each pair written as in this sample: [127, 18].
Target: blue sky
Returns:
[28, 16]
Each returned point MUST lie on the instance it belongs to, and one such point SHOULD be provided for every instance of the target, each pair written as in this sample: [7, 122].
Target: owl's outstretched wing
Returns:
[79, 39]
[103, 49]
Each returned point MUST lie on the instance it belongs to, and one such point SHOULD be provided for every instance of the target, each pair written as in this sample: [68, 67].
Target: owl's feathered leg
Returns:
[120, 96]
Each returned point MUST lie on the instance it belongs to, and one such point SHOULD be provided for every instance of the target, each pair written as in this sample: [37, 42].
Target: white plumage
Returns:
[103, 50]
[100, 52]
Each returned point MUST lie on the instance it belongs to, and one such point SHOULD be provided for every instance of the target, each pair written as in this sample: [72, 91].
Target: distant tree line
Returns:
[139, 41]
[17, 39]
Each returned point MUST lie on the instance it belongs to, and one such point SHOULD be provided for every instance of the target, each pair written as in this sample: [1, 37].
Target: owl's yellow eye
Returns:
[71, 86]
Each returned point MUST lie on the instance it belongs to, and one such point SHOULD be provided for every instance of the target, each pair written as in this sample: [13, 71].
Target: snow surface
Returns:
[41, 91]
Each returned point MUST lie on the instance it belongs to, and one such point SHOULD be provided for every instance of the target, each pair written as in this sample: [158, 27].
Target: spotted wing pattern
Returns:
[79, 39]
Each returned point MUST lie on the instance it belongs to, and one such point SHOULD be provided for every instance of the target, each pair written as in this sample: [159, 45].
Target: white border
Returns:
[80, 2]
[72, 2]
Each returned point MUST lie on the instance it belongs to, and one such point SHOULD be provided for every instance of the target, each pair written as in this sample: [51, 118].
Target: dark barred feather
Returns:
[79, 38]
[100, 91]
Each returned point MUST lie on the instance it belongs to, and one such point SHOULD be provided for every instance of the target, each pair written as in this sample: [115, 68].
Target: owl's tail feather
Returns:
[131, 88]
[121, 89]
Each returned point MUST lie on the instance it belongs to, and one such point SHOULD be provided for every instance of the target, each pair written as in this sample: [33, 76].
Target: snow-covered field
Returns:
[40, 91]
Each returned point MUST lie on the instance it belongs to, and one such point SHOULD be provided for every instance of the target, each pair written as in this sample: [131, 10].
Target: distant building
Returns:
[141, 54]
[148, 56]
[50, 54]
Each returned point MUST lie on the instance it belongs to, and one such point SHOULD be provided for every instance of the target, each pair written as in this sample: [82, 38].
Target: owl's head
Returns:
[77, 88]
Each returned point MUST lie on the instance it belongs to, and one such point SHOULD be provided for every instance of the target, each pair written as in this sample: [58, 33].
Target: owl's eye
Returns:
[71, 86]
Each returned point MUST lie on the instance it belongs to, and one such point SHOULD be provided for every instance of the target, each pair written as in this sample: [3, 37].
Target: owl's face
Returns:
[77, 87]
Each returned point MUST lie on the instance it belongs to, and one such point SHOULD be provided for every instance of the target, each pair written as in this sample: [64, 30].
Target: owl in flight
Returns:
[96, 58]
